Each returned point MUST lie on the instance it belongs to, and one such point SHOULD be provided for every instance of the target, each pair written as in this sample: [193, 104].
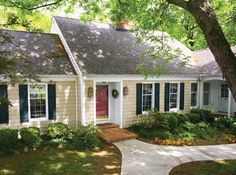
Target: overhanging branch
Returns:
[21, 6]
[180, 3]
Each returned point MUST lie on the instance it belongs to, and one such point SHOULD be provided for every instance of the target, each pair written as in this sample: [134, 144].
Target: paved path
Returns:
[140, 158]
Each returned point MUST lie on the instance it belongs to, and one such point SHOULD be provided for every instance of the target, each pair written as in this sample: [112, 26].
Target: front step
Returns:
[107, 125]
[115, 134]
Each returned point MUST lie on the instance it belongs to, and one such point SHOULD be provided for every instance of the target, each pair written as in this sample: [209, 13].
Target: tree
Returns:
[219, 46]
[151, 14]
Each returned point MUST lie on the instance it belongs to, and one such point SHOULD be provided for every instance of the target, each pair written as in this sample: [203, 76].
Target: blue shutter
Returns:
[157, 96]
[4, 113]
[52, 102]
[23, 94]
[167, 96]
[139, 89]
[181, 100]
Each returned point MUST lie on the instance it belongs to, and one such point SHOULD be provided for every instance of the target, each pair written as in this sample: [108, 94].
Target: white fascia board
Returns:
[50, 78]
[58, 77]
[67, 48]
[209, 78]
[115, 78]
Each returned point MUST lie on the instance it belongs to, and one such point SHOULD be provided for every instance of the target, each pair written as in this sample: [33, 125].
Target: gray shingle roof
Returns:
[42, 54]
[98, 50]
[206, 62]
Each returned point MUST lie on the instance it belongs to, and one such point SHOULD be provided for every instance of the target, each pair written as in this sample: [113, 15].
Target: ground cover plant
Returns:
[223, 167]
[200, 127]
[59, 151]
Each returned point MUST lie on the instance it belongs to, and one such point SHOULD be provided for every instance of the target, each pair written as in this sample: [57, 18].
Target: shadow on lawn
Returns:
[61, 161]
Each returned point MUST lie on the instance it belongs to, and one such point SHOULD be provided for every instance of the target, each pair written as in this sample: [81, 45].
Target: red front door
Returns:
[102, 101]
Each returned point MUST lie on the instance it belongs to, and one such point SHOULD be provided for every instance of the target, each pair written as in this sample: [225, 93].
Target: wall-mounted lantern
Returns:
[125, 91]
[90, 92]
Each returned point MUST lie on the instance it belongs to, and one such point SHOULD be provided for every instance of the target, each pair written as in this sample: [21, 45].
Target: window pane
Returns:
[147, 97]
[147, 88]
[194, 99]
[37, 101]
[173, 95]
[173, 88]
[173, 101]
[206, 93]
[224, 91]
[193, 87]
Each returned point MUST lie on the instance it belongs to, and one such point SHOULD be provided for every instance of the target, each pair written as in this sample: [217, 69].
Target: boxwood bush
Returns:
[30, 137]
[58, 131]
[85, 137]
[8, 139]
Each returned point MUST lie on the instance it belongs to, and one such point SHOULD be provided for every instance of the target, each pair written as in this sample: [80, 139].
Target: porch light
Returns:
[125, 91]
[90, 92]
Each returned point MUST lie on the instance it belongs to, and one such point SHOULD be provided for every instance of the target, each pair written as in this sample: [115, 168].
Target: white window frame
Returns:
[29, 111]
[153, 96]
[191, 107]
[178, 97]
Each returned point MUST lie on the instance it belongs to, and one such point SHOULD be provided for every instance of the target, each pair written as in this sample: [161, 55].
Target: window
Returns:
[206, 93]
[173, 96]
[147, 97]
[224, 91]
[194, 94]
[38, 101]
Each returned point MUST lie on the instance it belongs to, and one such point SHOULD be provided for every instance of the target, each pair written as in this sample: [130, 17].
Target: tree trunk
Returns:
[219, 46]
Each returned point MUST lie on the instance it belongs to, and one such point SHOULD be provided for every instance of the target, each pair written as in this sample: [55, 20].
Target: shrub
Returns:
[199, 130]
[194, 118]
[8, 139]
[30, 137]
[182, 119]
[58, 130]
[171, 120]
[205, 115]
[85, 137]
[224, 123]
[233, 128]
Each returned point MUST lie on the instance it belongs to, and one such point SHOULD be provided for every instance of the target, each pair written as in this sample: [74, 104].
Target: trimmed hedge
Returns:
[8, 139]
[85, 137]
[30, 137]
[58, 130]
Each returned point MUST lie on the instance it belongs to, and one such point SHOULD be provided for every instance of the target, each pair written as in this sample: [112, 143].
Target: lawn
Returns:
[206, 168]
[55, 161]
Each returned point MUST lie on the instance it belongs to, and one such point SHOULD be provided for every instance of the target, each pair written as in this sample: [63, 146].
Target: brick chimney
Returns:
[123, 26]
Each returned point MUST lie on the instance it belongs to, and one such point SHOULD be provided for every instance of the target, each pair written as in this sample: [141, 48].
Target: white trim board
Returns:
[115, 78]
[50, 78]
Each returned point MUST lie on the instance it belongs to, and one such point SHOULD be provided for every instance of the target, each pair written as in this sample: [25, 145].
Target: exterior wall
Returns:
[89, 103]
[129, 101]
[65, 107]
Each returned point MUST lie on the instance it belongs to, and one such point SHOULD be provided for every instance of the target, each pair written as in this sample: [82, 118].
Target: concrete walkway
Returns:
[140, 158]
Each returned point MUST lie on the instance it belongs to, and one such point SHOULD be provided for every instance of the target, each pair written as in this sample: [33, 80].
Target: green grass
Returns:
[60, 161]
[206, 168]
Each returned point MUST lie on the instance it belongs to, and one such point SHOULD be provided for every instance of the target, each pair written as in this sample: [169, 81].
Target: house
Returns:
[89, 75]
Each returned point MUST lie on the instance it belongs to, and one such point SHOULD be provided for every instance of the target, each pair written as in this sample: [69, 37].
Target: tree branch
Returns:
[180, 3]
[20, 6]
